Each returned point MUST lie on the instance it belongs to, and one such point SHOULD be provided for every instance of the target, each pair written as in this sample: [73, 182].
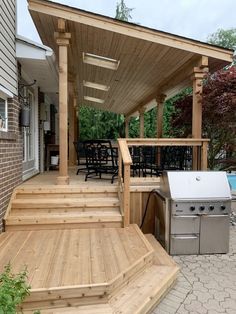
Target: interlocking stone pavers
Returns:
[206, 285]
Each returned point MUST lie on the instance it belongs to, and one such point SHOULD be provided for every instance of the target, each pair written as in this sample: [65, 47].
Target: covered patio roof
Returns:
[145, 62]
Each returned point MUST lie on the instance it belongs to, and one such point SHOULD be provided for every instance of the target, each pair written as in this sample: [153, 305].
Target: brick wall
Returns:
[11, 152]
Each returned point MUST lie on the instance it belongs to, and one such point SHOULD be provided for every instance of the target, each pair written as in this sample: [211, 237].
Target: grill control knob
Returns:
[211, 207]
[192, 208]
[222, 207]
[202, 208]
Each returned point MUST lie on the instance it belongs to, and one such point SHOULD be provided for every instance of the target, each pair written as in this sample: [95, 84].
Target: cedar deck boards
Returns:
[81, 257]
[90, 271]
[63, 207]
[77, 268]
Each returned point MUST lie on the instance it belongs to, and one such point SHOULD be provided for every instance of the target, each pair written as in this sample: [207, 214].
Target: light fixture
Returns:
[96, 86]
[98, 100]
[100, 61]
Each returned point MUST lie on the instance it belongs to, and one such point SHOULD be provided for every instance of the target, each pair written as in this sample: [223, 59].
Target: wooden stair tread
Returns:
[58, 189]
[144, 293]
[65, 202]
[83, 309]
[114, 212]
[64, 217]
[161, 256]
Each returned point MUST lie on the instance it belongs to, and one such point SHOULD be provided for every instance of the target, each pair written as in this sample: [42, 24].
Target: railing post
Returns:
[119, 165]
[127, 195]
[204, 152]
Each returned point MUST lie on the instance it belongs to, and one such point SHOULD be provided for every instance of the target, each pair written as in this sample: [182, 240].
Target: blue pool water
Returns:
[232, 181]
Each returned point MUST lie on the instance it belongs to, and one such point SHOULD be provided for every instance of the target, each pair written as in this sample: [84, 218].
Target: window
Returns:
[3, 114]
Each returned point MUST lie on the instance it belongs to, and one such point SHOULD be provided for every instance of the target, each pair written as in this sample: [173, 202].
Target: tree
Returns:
[223, 37]
[218, 110]
[123, 13]
[98, 124]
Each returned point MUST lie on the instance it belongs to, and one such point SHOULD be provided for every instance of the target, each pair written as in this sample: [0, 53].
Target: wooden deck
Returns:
[85, 267]
[48, 178]
[78, 256]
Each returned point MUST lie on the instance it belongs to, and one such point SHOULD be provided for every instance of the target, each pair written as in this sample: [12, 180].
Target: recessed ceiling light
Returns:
[98, 100]
[96, 86]
[100, 61]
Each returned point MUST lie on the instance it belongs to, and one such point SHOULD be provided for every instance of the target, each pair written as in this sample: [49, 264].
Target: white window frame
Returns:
[4, 97]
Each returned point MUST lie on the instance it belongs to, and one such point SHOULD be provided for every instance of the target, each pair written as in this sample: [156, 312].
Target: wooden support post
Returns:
[197, 112]
[62, 40]
[198, 75]
[77, 129]
[127, 119]
[126, 195]
[141, 122]
[204, 148]
[72, 131]
[160, 99]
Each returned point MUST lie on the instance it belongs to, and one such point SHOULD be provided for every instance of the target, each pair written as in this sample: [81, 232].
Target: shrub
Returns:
[13, 290]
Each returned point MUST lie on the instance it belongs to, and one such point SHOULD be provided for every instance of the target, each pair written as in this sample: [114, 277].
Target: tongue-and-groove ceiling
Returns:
[150, 62]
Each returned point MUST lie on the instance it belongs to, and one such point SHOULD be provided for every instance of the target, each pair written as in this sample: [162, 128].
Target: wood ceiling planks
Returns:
[145, 68]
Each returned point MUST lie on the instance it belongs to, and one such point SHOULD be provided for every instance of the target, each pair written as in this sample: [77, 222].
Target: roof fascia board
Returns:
[30, 42]
[75, 15]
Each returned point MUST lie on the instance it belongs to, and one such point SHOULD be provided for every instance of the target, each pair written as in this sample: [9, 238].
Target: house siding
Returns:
[8, 64]
[11, 145]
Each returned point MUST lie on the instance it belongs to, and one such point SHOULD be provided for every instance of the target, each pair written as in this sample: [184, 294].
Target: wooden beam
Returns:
[135, 31]
[63, 110]
[61, 24]
[181, 74]
[160, 106]
[174, 78]
[141, 122]
[127, 120]
[142, 104]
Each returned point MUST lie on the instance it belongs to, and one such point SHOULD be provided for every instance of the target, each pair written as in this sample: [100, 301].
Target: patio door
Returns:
[30, 141]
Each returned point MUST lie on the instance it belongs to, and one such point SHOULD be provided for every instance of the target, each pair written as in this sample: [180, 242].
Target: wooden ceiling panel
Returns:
[147, 66]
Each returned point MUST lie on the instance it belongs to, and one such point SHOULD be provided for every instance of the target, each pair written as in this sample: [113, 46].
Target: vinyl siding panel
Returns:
[8, 65]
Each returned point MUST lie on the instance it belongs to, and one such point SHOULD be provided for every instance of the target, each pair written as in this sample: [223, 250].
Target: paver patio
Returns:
[206, 284]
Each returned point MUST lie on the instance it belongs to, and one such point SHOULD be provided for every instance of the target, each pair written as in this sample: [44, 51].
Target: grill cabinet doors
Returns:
[214, 234]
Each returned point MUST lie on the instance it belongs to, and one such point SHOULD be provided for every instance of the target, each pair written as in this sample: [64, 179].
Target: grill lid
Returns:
[194, 185]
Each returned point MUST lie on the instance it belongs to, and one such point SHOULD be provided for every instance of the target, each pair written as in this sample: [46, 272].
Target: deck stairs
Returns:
[79, 257]
[63, 207]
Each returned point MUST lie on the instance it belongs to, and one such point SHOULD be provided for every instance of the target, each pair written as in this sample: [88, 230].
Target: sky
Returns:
[189, 18]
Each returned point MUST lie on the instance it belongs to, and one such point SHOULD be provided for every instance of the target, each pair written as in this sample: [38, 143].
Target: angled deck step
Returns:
[83, 309]
[137, 295]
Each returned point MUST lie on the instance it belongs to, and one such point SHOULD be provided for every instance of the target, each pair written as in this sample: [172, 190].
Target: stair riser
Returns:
[67, 302]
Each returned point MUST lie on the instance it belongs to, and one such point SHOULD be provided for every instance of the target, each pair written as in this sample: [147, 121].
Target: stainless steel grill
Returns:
[192, 215]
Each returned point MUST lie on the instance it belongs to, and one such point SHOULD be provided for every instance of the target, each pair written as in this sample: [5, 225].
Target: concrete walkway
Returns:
[206, 284]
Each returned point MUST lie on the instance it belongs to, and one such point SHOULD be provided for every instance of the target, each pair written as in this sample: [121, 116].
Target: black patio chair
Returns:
[81, 161]
[100, 159]
[176, 158]
[137, 160]
[150, 161]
